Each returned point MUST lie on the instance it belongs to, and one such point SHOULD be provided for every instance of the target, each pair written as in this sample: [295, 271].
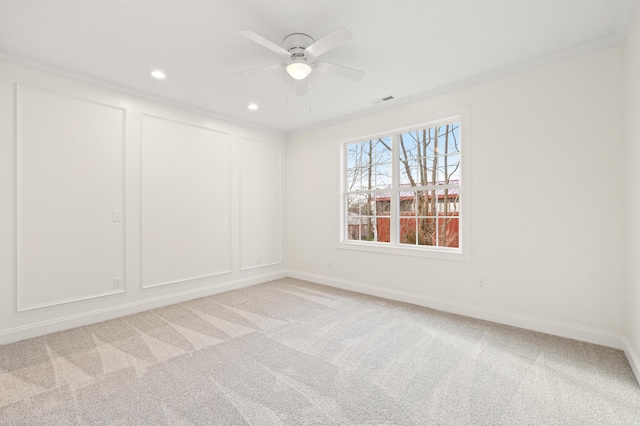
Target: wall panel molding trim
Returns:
[73, 300]
[170, 202]
[263, 265]
[184, 123]
[260, 203]
[30, 104]
[29, 331]
[535, 324]
[185, 279]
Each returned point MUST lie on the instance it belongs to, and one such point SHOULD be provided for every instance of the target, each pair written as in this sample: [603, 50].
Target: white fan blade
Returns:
[266, 68]
[328, 42]
[301, 86]
[264, 42]
[339, 70]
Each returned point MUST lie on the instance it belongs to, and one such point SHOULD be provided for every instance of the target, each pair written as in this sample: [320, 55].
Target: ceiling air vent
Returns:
[385, 99]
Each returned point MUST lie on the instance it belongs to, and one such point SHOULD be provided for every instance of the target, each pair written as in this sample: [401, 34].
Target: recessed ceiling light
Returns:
[158, 74]
[253, 107]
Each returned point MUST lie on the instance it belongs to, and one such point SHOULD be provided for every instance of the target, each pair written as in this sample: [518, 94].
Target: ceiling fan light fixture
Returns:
[299, 69]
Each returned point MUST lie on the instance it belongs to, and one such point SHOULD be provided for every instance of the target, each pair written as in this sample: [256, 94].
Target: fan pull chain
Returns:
[286, 90]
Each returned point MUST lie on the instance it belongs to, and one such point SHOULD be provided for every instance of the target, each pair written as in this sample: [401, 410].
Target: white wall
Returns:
[552, 258]
[632, 155]
[261, 204]
[549, 140]
[74, 154]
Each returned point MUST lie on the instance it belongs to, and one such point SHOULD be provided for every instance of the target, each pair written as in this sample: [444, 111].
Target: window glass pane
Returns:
[420, 171]
[428, 171]
[368, 228]
[383, 229]
[407, 201]
[440, 164]
[365, 179]
[408, 148]
[383, 176]
[354, 218]
[369, 206]
[448, 231]
[418, 203]
[368, 164]
[407, 230]
[409, 173]
[449, 170]
[368, 178]
[419, 143]
[448, 201]
[382, 148]
[418, 231]
[353, 228]
[353, 179]
[430, 142]
[383, 203]
[353, 155]
[426, 231]
[368, 217]
[361, 228]
[453, 139]
[417, 221]
[425, 203]
[359, 204]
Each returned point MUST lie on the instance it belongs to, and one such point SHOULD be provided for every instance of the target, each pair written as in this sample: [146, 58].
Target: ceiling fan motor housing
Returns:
[296, 43]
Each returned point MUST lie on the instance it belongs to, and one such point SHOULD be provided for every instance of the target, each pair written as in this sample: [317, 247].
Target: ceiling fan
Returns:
[300, 50]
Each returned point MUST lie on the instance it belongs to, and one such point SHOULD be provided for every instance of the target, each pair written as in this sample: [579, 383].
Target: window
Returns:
[403, 189]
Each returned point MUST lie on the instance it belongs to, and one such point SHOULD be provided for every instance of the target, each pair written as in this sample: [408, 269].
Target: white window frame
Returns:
[461, 253]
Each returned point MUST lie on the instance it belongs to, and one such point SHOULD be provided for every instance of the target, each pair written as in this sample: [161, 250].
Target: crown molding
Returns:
[603, 43]
[30, 63]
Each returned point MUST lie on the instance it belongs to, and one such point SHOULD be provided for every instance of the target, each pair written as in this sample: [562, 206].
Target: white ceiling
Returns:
[408, 48]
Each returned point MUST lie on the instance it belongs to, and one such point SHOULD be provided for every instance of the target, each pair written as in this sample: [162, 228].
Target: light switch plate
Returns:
[117, 216]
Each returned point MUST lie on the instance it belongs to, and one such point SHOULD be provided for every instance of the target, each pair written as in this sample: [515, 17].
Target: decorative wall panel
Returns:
[185, 191]
[70, 198]
[260, 204]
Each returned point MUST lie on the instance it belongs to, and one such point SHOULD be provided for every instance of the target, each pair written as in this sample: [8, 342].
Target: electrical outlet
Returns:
[259, 260]
[330, 261]
[482, 284]
[117, 283]
[117, 216]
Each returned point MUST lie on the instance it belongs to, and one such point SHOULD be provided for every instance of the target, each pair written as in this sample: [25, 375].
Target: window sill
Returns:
[398, 250]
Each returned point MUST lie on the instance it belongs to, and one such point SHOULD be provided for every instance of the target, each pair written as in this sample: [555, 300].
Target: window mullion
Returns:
[394, 226]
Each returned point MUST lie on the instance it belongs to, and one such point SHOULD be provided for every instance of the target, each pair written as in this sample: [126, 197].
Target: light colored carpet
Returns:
[294, 353]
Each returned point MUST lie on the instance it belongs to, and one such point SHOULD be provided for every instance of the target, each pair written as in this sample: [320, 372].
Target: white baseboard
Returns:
[64, 323]
[633, 358]
[549, 327]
